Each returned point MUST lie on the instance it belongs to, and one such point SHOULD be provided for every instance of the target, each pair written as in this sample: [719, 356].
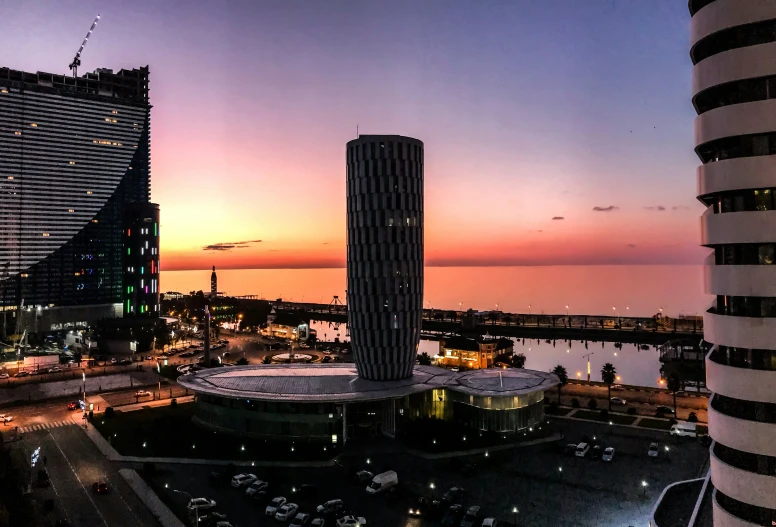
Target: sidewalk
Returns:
[150, 499]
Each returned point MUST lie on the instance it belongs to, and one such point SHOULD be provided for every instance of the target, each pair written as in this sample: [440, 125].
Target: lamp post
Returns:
[84, 377]
[514, 511]
[432, 487]
[159, 377]
[644, 486]
[196, 509]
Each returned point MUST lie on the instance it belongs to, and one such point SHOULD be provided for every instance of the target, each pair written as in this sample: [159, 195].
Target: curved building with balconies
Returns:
[385, 253]
[733, 50]
[74, 152]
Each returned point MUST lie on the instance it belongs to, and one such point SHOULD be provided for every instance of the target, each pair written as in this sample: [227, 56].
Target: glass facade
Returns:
[73, 153]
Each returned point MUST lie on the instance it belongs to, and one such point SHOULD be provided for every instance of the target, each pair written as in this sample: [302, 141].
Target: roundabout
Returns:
[291, 358]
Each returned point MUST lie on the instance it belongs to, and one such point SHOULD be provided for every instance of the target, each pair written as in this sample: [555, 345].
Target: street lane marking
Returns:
[79, 479]
[44, 426]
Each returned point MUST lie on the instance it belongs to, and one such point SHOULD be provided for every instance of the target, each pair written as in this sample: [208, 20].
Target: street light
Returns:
[196, 509]
[514, 511]
[644, 486]
[432, 487]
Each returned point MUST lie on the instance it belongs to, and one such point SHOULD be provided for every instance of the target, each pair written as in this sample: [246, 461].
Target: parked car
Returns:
[330, 507]
[113, 360]
[5, 418]
[318, 522]
[201, 504]
[4, 375]
[286, 511]
[21, 374]
[125, 362]
[619, 400]
[570, 449]
[274, 505]
[653, 450]
[663, 409]
[55, 369]
[256, 487]
[305, 490]
[212, 517]
[382, 482]
[582, 449]
[142, 393]
[351, 521]
[490, 522]
[470, 517]
[243, 480]
[453, 515]
[300, 520]
[608, 454]
[100, 487]
[453, 495]
[617, 387]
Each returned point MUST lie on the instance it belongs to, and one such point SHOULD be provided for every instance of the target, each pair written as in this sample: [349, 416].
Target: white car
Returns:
[318, 522]
[653, 450]
[286, 512]
[255, 487]
[55, 369]
[351, 521]
[242, 480]
[5, 418]
[4, 375]
[608, 454]
[489, 522]
[330, 506]
[619, 400]
[274, 505]
[142, 393]
[300, 520]
[201, 504]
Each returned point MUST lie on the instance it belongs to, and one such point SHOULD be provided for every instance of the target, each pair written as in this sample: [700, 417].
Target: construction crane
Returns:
[77, 60]
[588, 364]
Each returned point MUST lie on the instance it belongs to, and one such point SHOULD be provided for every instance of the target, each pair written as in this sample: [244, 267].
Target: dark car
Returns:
[305, 490]
[73, 406]
[663, 409]
[431, 509]
[453, 515]
[454, 495]
[125, 362]
[100, 487]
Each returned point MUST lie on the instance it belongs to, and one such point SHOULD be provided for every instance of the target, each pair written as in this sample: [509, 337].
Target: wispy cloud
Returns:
[610, 208]
[228, 246]
[631, 246]
[558, 218]
[658, 207]
[680, 207]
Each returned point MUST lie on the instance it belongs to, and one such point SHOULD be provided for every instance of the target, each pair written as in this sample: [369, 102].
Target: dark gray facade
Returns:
[385, 253]
[73, 153]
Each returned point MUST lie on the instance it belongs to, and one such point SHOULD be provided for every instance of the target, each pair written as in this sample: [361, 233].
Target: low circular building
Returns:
[331, 403]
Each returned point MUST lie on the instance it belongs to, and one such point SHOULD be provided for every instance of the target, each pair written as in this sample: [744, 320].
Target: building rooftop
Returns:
[340, 382]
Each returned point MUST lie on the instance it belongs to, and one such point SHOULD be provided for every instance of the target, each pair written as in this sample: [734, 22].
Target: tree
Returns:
[266, 360]
[518, 361]
[424, 359]
[592, 404]
[609, 375]
[674, 384]
[563, 376]
[242, 361]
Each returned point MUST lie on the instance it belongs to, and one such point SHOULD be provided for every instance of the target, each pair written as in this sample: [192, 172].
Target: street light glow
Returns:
[514, 510]
[643, 483]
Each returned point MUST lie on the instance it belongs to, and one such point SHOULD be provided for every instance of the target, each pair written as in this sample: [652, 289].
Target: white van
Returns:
[582, 450]
[382, 482]
[685, 430]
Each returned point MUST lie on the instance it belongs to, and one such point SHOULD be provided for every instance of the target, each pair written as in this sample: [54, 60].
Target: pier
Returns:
[610, 328]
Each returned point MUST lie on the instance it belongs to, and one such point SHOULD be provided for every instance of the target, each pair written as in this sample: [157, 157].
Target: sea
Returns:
[627, 290]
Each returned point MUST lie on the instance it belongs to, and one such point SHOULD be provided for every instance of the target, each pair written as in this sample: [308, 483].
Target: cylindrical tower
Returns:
[733, 50]
[385, 253]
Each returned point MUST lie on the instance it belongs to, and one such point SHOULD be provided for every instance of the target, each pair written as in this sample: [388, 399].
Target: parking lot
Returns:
[543, 483]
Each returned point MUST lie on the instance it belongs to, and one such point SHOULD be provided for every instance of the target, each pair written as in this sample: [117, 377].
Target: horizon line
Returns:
[209, 267]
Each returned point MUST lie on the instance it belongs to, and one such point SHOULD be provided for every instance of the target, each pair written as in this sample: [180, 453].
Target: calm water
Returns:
[592, 290]
[589, 290]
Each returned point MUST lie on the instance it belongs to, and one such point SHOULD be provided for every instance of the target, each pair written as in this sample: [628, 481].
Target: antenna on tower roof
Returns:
[356, 131]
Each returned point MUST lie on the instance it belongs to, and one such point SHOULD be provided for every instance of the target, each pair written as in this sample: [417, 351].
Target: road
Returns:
[73, 464]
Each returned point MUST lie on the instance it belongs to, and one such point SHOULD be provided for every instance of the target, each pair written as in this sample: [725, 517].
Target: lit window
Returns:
[88, 191]
[94, 221]
[3, 91]
[45, 234]
[114, 112]
[72, 162]
[70, 210]
[25, 275]
[10, 177]
[34, 125]
[17, 132]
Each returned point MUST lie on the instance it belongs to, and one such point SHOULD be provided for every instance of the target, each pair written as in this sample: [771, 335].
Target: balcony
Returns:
[723, 518]
[738, 227]
[740, 383]
[739, 119]
[741, 434]
[739, 280]
[736, 174]
[723, 14]
[736, 64]
[739, 332]
[742, 485]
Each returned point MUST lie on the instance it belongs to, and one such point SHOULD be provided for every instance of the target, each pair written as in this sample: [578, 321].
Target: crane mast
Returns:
[77, 59]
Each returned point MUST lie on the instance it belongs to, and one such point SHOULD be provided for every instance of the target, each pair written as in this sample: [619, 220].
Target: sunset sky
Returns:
[529, 111]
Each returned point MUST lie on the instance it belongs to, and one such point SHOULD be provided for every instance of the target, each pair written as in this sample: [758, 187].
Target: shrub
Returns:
[592, 404]
[266, 360]
[174, 403]
[604, 414]
[242, 361]
[631, 411]
[109, 412]
[692, 418]
[575, 403]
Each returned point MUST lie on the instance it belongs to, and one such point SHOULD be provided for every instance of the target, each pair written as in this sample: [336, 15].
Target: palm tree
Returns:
[674, 384]
[563, 376]
[518, 360]
[609, 375]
